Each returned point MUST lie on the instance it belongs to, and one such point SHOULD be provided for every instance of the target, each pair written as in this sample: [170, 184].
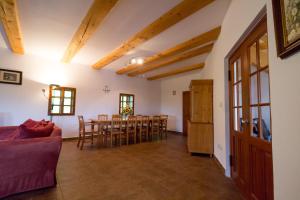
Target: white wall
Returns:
[17, 103]
[285, 97]
[172, 104]
[239, 16]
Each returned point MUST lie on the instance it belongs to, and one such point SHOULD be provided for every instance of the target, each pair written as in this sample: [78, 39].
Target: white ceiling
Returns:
[48, 27]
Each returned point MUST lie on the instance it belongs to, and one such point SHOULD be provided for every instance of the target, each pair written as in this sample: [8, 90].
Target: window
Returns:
[61, 100]
[126, 104]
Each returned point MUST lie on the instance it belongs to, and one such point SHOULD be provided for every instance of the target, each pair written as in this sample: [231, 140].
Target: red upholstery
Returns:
[33, 130]
[27, 164]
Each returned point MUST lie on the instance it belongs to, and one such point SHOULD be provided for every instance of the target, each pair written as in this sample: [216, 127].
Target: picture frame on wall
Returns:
[10, 76]
[287, 26]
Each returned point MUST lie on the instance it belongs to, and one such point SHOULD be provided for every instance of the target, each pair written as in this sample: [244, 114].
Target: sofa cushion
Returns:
[30, 123]
[41, 129]
[8, 132]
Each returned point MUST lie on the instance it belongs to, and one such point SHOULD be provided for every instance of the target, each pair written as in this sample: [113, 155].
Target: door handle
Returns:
[245, 121]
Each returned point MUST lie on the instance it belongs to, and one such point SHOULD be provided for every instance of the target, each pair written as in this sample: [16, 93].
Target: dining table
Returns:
[102, 124]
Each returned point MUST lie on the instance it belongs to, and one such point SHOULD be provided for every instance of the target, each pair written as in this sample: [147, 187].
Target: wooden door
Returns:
[250, 116]
[186, 111]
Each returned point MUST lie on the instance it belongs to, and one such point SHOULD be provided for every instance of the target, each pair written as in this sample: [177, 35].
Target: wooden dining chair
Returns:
[164, 126]
[103, 117]
[115, 129]
[83, 133]
[131, 128]
[143, 128]
[103, 127]
[116, 116]
[155, 127]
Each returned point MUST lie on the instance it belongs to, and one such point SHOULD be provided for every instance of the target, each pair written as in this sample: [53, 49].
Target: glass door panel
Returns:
[266, 123]
[263, 51]
[254, 122]
[260, 112]
[237, 96]
[253, 90]
[253, 58]
[264, 86]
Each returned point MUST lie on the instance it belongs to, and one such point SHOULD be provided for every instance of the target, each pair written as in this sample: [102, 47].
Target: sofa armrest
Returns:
[5, 129]
[27, 156]
[56, 132]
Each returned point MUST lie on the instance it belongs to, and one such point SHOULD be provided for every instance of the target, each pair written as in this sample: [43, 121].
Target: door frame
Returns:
[183, 119]
[262, 13]
[256, 149]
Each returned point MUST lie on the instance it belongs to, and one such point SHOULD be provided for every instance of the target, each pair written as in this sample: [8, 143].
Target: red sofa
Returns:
[27, 164]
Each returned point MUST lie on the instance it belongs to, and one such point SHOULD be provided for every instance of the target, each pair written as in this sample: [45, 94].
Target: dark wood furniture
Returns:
[186, 111]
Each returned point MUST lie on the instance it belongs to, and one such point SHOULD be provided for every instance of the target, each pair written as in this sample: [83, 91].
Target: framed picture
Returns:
[10, 76]
[287, 26]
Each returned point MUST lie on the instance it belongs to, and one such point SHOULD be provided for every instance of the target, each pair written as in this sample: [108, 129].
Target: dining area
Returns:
[117, 130]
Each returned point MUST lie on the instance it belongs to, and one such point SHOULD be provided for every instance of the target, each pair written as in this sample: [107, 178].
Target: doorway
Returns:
[186, 109]
[250, 116]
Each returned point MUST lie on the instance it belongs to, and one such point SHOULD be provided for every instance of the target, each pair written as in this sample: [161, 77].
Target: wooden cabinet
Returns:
[200, 137]
[200, 125]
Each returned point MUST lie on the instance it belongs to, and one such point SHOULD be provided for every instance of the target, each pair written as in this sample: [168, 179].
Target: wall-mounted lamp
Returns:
[44, 93]
[106, 89]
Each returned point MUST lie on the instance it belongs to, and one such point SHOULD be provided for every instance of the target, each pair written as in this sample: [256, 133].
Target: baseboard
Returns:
[219, 164]
[175, 132]
[70, 138]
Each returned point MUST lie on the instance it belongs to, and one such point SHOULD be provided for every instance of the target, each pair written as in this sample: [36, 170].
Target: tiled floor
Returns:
[158, 170]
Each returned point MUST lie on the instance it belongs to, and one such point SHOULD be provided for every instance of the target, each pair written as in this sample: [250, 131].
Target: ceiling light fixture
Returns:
[136, 61]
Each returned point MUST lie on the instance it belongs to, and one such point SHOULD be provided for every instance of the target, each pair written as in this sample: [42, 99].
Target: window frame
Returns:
[128, 95]
[62, 97]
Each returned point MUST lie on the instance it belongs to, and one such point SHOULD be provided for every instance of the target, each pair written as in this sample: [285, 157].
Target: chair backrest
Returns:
[81, 123]
[139, 117]
[103, 117]
[116, 116]
[164, 120]
[116, 122]
[131, 121]
[145, 121]
[155, 120]
[164, 117]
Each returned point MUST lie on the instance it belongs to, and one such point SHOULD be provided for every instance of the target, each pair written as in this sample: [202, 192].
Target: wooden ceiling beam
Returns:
[173, 16]
[11, 24]
[174, 59]
[177, 71]
[201, 39]
[95, 16]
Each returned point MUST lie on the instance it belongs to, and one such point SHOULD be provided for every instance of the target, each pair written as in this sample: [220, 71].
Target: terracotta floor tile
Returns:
[147, 171]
